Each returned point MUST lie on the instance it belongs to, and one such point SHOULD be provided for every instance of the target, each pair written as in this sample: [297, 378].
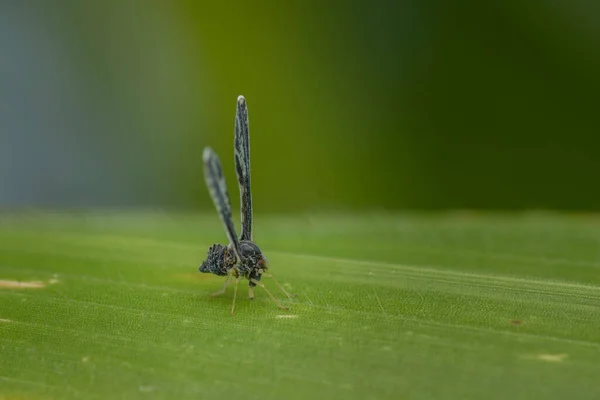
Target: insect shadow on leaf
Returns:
[241, 258]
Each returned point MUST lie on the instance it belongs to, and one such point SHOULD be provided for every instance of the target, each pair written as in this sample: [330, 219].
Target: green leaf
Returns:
[449, 306]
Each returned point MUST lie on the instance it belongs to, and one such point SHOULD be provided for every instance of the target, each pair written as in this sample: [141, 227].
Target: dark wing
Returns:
[213, 174]
[241, 147]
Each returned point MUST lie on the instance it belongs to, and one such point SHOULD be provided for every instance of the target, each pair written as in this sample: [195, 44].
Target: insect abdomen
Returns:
[215, 261]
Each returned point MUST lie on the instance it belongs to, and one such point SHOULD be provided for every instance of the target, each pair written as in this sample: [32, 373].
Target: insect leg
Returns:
[251, 292]
[222, 290]
[235, 287]
[269, 275]
[277, 303]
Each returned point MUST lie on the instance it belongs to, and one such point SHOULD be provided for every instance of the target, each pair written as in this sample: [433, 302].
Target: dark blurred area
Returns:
[352, 105]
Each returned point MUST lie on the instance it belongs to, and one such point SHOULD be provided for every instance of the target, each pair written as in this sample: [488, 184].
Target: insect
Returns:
[241, 258]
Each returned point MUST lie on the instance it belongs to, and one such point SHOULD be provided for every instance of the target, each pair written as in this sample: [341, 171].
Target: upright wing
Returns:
[213, 174]
[241, 149]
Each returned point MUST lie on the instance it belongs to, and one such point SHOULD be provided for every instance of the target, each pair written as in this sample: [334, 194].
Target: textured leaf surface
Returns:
[462, 306]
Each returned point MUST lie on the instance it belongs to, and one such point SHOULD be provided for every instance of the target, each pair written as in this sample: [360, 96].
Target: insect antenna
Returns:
[277, 303]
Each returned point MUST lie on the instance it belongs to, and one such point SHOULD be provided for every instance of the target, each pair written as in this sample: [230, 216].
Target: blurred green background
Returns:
[352, 105]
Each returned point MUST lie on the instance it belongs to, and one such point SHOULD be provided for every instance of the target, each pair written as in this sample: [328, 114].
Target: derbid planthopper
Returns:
[242, 258]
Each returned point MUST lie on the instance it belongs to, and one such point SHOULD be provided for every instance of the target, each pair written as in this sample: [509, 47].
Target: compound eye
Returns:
[263, 263]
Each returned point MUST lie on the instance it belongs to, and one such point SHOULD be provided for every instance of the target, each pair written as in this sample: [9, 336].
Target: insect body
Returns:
[241, 258]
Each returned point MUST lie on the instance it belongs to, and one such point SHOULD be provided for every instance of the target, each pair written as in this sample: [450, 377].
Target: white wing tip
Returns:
[207, 153]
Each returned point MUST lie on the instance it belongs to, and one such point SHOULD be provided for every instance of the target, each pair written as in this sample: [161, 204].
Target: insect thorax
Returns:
[251, 256]
[253, 260]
